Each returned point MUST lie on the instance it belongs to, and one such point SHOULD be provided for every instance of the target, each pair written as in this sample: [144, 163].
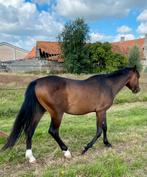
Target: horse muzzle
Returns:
[136, 90]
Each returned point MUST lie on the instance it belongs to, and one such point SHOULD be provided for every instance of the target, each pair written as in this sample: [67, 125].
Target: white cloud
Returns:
[96, 9]
[42, 1]
[22, 22]
[142, 16]
[126, 36]
[142, 28]
[124, 29]
[14, 3]
[94, 37]
[91, 9]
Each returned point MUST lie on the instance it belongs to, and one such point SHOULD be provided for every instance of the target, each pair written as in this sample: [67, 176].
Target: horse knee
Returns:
[52, 131]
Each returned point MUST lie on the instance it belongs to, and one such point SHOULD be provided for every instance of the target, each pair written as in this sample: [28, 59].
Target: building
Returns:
[44, 57]
[123, 47]
[46, 50]
[10, 52]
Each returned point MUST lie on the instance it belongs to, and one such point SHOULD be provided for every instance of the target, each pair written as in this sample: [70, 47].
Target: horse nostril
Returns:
[136, 90]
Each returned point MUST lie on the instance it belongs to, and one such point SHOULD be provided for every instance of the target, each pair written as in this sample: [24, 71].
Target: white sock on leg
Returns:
[67, 154]
[29, 155]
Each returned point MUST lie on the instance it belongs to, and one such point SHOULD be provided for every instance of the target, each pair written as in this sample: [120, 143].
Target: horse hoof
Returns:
[32, 161]
[108, 145]
[83, 151]
[67, 154]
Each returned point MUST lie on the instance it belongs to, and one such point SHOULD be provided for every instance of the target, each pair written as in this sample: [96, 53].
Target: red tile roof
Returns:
[31, 54]
[51, 48]
[123, 47]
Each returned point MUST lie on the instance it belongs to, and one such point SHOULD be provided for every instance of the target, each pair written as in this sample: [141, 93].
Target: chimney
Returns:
[122, 39]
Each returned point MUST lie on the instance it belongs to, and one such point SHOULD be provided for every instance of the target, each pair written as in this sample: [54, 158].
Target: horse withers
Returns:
[59, 95]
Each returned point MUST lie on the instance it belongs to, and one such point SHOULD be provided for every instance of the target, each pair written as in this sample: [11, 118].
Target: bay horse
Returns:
[59, 95]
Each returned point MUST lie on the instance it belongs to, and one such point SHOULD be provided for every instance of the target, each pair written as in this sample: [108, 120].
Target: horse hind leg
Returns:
[54, 131]
[29, 134]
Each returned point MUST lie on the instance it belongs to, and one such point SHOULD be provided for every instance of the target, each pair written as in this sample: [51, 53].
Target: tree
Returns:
[134, 57]
[73, 40]
[103, 59]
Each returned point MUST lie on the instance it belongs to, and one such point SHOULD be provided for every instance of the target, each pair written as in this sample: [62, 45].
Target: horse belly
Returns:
[81, 106]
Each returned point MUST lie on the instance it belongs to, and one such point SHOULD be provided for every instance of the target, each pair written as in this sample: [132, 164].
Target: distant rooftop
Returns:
[123, 45]
[46, 48]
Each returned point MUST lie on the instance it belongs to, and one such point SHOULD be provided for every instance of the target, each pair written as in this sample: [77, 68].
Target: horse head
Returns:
[133, 82]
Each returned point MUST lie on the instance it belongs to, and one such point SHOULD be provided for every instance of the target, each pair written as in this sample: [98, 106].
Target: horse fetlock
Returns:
[107, 144]
[84, 151]
[67, 154]
[29, 156]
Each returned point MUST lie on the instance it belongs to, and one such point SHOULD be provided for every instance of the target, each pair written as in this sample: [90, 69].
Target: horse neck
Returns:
[119, 81]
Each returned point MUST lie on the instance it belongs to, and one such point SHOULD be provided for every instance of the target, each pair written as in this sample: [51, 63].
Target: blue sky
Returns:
[25, 21]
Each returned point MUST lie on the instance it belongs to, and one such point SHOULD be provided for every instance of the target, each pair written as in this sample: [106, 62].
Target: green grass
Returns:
[126, 96]
[127, 131]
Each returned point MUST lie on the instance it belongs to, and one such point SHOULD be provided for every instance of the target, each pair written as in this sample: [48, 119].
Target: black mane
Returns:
[114, 74]
[120, 72]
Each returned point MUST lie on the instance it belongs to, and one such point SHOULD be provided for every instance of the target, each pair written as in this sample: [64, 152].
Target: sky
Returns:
[23, 22]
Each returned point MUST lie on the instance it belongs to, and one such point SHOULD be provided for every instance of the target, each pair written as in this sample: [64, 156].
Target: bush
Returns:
[134, 57]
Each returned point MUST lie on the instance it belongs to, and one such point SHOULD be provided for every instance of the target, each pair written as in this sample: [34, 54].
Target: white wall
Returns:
[11, 53]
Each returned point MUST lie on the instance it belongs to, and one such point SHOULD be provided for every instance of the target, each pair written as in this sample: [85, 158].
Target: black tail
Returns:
[25, 115]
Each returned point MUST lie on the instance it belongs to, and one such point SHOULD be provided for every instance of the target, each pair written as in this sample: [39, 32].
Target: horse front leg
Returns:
[104, 127]
[99, 123]
[54, 131]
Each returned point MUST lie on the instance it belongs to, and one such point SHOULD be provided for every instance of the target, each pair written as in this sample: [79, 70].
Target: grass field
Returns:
[127, 131]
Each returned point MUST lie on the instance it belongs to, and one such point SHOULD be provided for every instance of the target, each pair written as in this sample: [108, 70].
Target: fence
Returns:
[31, 66]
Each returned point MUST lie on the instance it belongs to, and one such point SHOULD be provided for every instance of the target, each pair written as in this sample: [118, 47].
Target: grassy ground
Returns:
[127, 131]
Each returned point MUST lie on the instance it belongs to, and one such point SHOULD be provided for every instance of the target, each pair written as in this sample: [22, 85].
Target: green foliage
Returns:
[134, 57]
[145, 70]
[80, 57]
[73, 40]
[103, 59]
